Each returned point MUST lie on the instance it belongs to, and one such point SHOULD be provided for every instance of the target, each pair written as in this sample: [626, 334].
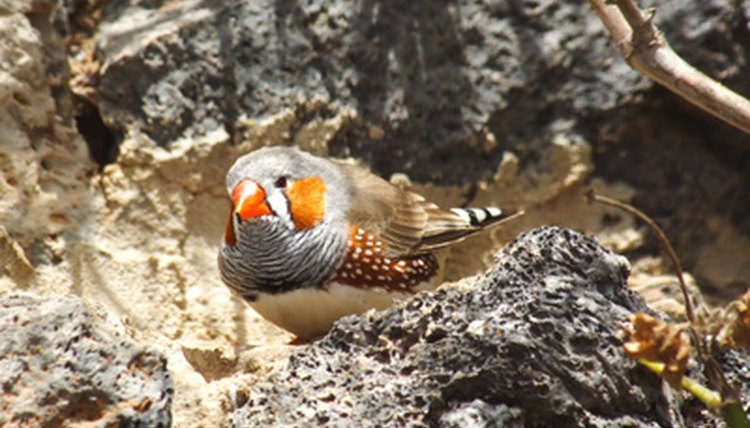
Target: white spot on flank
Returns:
[368, 252]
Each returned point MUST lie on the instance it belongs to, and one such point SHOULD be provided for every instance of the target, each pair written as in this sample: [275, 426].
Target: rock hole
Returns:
[21, 99]
[103, 142]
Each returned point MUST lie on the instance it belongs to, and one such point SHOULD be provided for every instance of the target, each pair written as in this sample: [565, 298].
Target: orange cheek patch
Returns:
[307, 198]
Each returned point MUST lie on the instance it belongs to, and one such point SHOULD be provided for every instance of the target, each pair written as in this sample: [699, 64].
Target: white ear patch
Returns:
[279, 205]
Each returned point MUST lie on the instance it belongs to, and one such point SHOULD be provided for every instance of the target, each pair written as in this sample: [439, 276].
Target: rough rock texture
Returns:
[479, 413]
[534, 342]
[430, 74]
[43, 162]
[426, 78]
[63, 362]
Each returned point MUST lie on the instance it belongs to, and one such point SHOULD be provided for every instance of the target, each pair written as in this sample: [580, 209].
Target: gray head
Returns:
[288, 228]
[275, 169]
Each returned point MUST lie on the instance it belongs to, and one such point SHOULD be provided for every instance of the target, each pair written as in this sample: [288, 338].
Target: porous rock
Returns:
[434, 78]
[479, 413]
[532, 342]
[63, 362]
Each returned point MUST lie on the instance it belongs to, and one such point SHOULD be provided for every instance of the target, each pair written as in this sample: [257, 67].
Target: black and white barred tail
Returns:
[483, 217]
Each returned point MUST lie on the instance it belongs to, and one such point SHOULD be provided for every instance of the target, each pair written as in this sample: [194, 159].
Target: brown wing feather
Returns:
[404, 220]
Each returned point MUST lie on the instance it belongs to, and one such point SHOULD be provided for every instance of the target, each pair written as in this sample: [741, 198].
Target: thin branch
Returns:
[593, 197]
[646, 50]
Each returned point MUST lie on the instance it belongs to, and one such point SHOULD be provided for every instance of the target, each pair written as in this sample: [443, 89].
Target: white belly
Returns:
[310, 313]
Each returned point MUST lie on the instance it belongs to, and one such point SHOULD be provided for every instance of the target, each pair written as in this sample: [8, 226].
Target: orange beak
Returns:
[249, 200]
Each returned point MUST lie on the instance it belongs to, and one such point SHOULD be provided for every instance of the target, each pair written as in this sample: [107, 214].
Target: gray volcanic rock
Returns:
[61, 362]
[531, 342]
[437, 77]
[479, 413]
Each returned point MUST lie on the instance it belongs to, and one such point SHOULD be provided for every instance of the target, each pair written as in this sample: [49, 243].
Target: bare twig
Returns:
[646, 50]
[593, 197]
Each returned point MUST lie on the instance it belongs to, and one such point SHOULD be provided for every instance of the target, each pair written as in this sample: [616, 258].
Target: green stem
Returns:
[731, 410]
[709, 397]
[734, 415]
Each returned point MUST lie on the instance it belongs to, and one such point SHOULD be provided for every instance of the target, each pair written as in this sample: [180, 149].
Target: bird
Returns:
[310, 240]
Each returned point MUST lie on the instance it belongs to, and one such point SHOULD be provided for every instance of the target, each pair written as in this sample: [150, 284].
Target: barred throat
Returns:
[271, 258]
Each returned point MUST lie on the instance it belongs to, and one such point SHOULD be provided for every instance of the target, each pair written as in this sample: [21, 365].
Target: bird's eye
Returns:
[281, 182]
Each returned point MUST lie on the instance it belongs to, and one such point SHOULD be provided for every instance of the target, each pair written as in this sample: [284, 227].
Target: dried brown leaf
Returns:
[652, 339]
[739, 329]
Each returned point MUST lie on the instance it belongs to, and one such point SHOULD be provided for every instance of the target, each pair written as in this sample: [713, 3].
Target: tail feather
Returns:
[479, 216]
[457, 223]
